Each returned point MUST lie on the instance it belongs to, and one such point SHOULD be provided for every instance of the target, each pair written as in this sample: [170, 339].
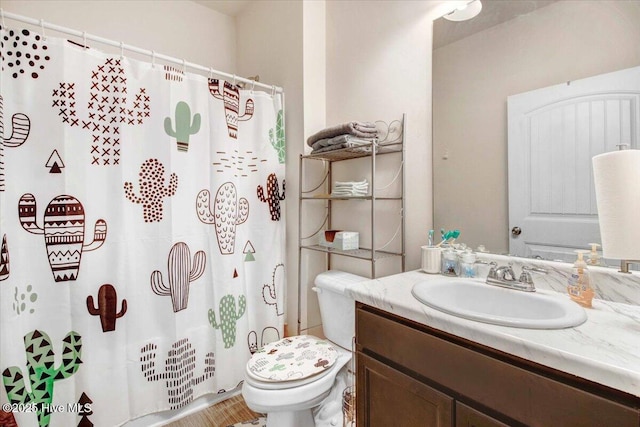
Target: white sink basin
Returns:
[476, 300]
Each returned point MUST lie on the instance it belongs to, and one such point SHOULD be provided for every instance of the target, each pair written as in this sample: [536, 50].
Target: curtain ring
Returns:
[184, 66]
[210, 73]
[44, 37]
[234, 79]
[122, 50]
[273, 90]
[253, 84]
[153, 59]
[2, 18]
[84, 39]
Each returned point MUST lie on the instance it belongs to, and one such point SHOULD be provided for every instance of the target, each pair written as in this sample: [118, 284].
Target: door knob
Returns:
[516, 231]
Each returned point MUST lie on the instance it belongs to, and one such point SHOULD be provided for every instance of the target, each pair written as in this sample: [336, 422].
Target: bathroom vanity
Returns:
[417, 366]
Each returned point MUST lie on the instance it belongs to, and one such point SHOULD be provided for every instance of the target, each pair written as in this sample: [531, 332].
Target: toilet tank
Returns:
[336, 308]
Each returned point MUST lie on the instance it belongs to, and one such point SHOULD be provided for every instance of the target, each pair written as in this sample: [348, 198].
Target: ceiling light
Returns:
[465, 11]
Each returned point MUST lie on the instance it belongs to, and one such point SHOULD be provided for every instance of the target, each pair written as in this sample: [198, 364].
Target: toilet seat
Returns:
[280, 385]
[291, 361]
[269, 397]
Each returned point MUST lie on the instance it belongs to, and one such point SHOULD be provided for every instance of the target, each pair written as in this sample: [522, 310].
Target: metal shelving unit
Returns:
[391, 141]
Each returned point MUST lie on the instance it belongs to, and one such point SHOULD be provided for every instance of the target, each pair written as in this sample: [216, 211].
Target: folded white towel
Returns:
[350, 188]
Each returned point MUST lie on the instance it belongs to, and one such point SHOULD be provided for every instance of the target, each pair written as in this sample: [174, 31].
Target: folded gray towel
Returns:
[361, 129]
[365, 126]
[340, 139]
[355, 145]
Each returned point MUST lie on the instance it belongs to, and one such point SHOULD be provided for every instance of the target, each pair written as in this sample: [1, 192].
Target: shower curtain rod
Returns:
[84, 35]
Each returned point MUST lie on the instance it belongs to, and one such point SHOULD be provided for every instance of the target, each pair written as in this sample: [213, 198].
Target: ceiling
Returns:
[227, 7]
[445, 32]
[493, 12]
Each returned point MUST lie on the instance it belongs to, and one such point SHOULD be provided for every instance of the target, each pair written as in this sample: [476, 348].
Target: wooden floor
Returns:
[222, 414]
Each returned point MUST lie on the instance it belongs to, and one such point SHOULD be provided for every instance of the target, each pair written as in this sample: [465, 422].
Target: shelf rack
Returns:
[391, 140]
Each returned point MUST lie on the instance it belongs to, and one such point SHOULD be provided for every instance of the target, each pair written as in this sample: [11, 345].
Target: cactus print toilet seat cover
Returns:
[292, 358]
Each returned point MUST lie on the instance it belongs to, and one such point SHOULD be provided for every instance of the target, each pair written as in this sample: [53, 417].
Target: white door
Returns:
[553, 134]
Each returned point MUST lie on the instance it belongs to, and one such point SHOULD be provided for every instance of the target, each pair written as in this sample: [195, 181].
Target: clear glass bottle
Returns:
[450, 263]
[468, 264]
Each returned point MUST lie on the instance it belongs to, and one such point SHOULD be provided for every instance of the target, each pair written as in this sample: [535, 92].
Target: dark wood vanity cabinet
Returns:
[410, 375]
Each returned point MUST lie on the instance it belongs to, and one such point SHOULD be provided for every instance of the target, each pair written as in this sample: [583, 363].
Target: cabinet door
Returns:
[386, 397]
[469, 417]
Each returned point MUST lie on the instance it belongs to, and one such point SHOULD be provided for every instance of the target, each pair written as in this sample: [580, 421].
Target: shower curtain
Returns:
[141, 218]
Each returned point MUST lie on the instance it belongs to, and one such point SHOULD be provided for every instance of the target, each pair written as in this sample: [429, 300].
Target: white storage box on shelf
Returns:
[337, 239]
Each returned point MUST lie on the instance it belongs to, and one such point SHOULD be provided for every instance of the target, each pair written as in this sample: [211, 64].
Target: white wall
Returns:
[564, 41]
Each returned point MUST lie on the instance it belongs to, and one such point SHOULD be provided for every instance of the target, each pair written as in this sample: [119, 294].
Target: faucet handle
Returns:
[525, 277]
[492, 271]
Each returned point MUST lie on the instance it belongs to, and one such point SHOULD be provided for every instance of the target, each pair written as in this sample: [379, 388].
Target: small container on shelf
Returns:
[450, 263]
[468, 264]
[338, 239]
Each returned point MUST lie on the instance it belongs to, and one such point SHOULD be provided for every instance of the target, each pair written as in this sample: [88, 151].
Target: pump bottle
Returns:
[579, 284]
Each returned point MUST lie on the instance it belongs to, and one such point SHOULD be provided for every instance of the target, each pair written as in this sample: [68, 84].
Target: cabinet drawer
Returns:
[469, 417]
[387, 397]
[473, 376]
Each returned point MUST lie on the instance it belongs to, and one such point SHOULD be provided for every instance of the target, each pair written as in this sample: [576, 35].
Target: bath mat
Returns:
[256, 422]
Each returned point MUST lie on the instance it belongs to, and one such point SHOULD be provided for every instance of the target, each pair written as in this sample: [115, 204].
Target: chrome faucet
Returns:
[505, 277]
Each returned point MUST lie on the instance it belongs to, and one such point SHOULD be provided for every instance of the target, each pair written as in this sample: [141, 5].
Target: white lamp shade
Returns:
[617, 183]
[465, 11]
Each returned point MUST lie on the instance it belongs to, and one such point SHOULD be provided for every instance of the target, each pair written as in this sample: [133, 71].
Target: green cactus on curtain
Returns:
[185, 127]
[41, 370]
[277, 138]
[228, 318]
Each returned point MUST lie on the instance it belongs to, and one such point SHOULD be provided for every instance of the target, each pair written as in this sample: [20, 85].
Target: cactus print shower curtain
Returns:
[142, 231]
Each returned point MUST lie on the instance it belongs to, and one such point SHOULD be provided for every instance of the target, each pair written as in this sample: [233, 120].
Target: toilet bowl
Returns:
[288, 378]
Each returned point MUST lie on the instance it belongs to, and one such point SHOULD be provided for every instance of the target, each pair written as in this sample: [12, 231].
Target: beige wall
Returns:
[379, 67]
[564, 41]
[181, 29]
[373, 63]
[270, 43]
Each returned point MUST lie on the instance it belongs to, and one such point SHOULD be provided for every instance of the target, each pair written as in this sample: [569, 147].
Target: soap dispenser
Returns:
[594, 257]
[579, 285]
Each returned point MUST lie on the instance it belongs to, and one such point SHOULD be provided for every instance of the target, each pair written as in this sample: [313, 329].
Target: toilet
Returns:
[288, 378]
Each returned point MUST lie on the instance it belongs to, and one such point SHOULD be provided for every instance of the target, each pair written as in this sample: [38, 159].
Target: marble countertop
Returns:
[605, 349]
